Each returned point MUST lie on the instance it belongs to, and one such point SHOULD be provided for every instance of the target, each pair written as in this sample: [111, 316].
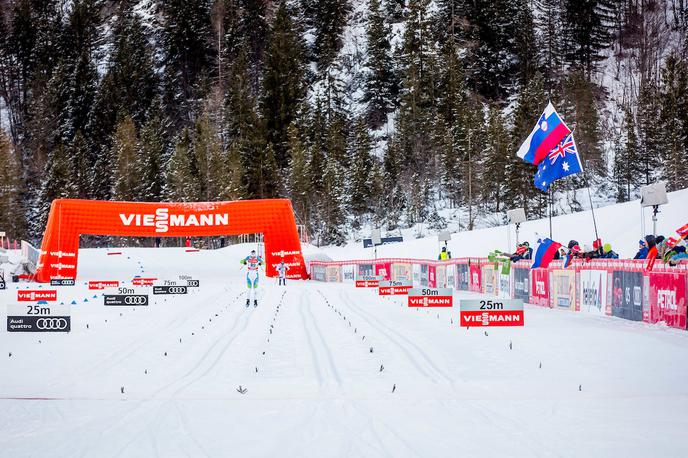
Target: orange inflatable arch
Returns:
[70, 218]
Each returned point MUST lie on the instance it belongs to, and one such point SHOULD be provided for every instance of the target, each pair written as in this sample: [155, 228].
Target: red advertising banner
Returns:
[668, 299]
[367, 283]
[539, 287]
[475, 278]
[430, 301]
[103, 284]
[491, 312]
[32, 295]
[430, 297]
[394, 290]
[383, 270]
[143, 281]
[492, 318]
[432, 276]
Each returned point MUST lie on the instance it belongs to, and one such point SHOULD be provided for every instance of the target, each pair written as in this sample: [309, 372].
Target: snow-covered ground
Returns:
[572, 385]
[622, 225]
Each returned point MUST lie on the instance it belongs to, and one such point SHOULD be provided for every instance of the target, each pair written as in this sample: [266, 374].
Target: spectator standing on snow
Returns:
[444, 254]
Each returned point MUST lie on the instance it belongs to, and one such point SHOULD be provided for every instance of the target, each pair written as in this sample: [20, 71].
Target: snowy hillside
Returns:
[330, 371]
[622, 225]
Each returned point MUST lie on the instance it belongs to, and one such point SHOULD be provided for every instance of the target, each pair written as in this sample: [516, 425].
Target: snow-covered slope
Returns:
[622, 225]
[330, 371]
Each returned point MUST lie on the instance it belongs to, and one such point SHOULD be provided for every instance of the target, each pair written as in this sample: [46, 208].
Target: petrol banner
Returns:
[668, 299]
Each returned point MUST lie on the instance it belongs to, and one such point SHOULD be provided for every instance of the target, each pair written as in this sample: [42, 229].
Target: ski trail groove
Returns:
[369, 318]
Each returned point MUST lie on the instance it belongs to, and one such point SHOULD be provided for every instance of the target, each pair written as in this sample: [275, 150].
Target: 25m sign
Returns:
[491, 312]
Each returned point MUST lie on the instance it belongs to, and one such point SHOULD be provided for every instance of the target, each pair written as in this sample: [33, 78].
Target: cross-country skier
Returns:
[252, 263]
[282, 269]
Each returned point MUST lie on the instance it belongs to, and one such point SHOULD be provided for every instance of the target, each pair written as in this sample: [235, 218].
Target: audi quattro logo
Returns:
[169, 290]
[52, 324]
[162, 220]
[133, 299]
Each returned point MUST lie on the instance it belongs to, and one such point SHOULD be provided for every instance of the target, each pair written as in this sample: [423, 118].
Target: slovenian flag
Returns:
[548, 133]
[545, 252]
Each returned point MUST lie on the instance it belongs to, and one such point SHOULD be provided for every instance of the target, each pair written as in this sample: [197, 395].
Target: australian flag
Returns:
[563, 160]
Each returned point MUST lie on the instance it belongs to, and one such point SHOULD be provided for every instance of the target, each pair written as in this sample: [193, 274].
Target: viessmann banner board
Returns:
[430, 297]
[491, 312]
[394, 288]
[368, 281]
[38, 318]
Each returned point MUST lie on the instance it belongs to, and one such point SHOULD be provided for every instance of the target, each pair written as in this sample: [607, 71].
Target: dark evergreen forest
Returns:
[377, 112]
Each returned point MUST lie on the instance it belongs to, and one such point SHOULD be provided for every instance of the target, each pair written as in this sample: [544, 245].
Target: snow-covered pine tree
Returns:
[520, 191]
[360, 186]
[152, 154]
[586, 33]
[12, 213]
[492, 174]
[57, 184]
[125, 149]
[187, 50]
[381, 86]
[627, 168]
[299, 184]
[178, 182]
[327, 19]
[674, 121]
[79, 156]
[650, 134]
[331, 205]
[283, 80]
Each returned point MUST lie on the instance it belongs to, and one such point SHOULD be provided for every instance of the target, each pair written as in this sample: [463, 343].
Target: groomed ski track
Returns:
[572, 384]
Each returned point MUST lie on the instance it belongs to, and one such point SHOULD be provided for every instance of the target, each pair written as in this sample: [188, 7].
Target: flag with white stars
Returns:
[563, 160]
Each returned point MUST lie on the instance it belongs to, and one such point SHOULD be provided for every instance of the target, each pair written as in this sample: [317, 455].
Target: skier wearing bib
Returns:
[252, 263]
[282, 269]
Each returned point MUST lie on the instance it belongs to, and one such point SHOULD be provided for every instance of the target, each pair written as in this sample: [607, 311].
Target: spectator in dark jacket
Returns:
[608, 252]
[523, 251]
[642, 250]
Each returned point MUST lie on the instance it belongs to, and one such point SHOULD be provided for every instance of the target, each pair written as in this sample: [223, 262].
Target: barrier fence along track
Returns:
[612, 287]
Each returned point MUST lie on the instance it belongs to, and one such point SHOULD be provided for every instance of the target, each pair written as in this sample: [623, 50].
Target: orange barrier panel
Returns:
[70, 218]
